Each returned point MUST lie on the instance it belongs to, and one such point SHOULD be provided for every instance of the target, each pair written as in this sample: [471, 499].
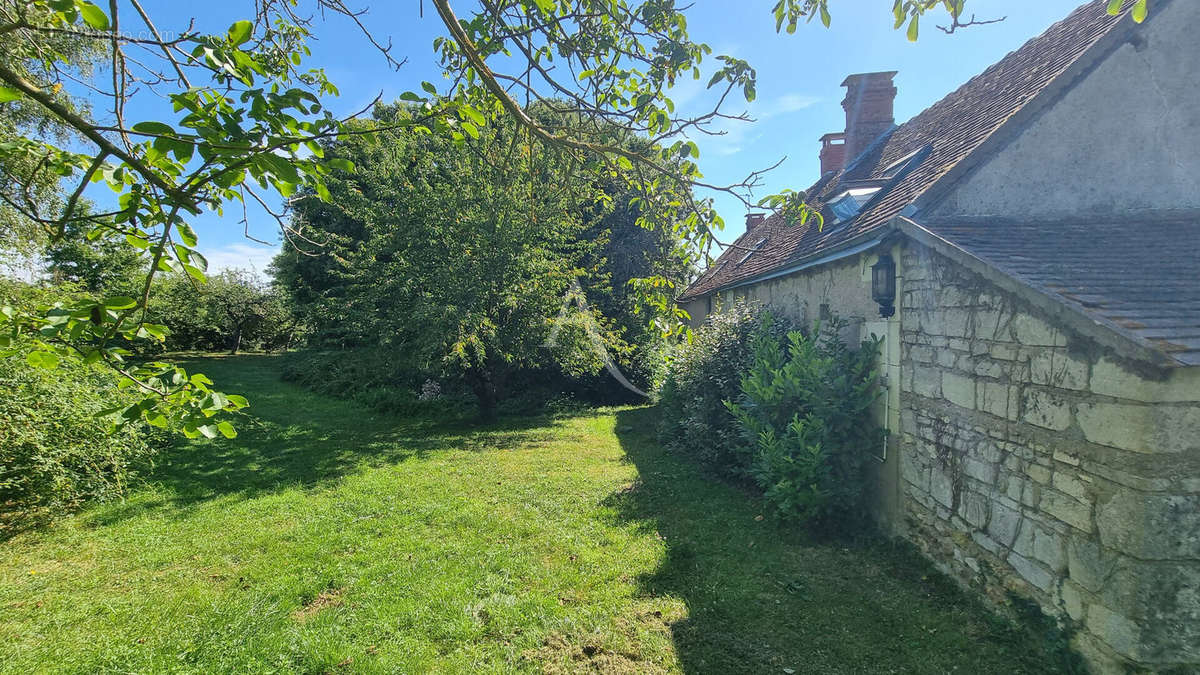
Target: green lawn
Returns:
[328, 538]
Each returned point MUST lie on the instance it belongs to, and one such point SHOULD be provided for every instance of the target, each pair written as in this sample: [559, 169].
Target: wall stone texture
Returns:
[844, 287]
[1035, 462]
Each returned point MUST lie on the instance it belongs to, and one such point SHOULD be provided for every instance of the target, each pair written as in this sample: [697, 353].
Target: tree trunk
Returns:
[237, 340]
[291, 335]
[484, 386]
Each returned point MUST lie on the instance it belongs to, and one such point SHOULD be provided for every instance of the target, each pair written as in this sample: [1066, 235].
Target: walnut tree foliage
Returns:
[243, 114]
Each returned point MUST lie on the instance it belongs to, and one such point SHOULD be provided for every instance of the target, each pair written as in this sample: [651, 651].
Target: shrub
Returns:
[804, 414]
[704, 373]
[55, 453]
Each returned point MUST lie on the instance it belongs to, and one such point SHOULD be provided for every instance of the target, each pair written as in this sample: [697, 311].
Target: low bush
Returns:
[55, 453]
[376, 378]
[756, 400]
[805, 417]
[388, 381]
[702, 374]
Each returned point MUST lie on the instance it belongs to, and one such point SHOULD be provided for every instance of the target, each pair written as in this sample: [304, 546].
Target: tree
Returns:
[246, 118]
[243, 302]
[463, 254]
[105, 265]
[232, 310]
[23, 181]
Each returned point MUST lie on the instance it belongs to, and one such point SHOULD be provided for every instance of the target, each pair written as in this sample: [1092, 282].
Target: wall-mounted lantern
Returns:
[883, 285]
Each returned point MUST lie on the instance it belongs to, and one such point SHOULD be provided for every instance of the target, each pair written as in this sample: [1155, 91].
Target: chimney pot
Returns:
[833, 152]
[753, 220]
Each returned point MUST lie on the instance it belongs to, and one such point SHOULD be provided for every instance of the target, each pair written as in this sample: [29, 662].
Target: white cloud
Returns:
[789, 103]
[239, 255]
[735, 135]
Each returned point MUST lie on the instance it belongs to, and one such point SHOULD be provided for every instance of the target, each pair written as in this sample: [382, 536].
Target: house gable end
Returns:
[1123, 138]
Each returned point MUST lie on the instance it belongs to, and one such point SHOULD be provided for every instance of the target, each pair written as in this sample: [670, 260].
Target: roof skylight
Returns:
[847, 204]
[757, 247]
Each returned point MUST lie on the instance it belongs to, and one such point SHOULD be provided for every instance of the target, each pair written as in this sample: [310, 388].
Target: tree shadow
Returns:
[762, 597]
[291, 437]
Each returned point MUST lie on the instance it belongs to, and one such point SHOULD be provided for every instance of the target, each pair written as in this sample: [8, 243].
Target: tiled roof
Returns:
[1137, 277]
[949, 131]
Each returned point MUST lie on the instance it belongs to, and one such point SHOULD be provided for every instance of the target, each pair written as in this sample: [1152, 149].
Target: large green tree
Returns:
[232, 310]
[458, 255]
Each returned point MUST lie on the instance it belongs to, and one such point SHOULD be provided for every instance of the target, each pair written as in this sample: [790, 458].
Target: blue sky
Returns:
[799, 97]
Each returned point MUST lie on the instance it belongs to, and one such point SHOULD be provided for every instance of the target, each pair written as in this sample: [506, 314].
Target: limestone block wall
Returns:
[1033, 461]
[844, 287]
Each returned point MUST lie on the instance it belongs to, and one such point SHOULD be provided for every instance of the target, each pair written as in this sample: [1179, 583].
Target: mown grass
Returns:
[328, 538]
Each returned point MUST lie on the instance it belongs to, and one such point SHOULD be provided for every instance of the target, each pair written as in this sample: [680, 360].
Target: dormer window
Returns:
[754, 249]
[847, 204]
[907, 162]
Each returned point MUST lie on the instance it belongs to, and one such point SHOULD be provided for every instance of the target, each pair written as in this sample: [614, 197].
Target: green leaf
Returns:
[1139, 11]
[199, 379]
[207, 430]
[227, 430]
[154, 128]
[476, 116]
[120, 302]
[44, 360]
[154, 330]
[92, 15]
[7, 94]
[194, 272]
[914, 28]
[341, 164]
[239, 401]
[187, 235]
[1114, 6]
[240, 32]
[471, 129]
[428, 86]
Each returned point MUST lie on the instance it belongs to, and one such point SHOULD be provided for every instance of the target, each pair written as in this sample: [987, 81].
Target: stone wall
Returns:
[843, 287]
[1034, 462]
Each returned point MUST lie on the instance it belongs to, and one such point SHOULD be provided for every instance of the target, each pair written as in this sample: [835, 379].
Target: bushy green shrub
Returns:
[702, 374]
[805, 417]
[54, 452]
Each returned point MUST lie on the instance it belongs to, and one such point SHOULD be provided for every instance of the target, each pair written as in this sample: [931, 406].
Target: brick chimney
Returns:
[753, 220]
[833, 152]
[869, 109]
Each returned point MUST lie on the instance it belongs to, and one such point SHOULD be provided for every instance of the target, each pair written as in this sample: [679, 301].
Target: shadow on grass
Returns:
[764, 598]
[291, 437]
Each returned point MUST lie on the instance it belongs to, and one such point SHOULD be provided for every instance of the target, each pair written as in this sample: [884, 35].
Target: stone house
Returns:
[1042, 361]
